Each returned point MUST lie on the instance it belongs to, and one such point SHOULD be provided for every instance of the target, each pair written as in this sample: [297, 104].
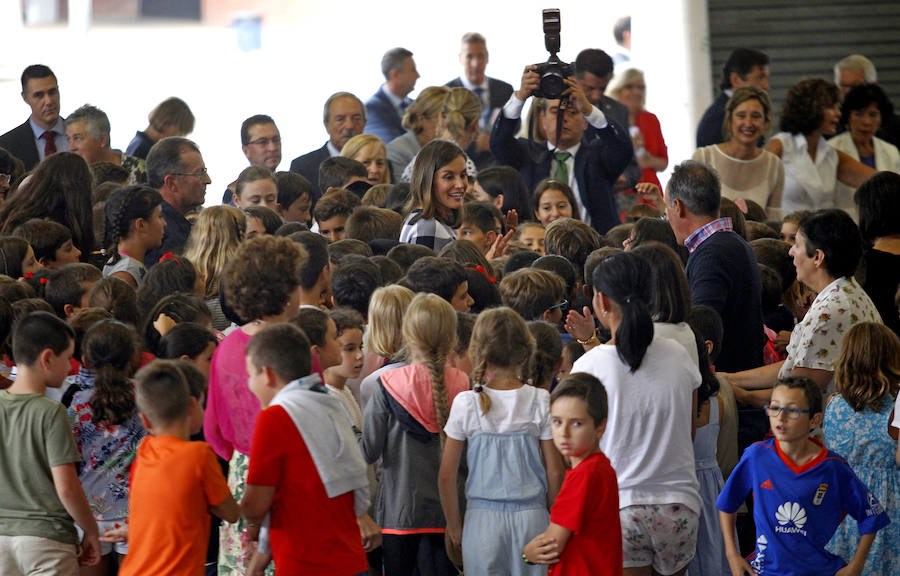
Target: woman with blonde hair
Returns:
[421, 122]
[215, 237]
[459, 123]
[746, 170]
[646, 135]
[370, 150]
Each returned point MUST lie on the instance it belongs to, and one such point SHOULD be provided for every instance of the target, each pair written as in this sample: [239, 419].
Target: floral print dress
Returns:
[107, 451]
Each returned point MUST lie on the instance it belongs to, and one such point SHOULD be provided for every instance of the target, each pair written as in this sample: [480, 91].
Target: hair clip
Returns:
[169, 256]
[29, 275]
[478, 388]
[481, 269]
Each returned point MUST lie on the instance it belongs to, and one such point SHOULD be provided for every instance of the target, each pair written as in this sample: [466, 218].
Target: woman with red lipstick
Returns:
[437, 187]
[746, 170]
[810, 114]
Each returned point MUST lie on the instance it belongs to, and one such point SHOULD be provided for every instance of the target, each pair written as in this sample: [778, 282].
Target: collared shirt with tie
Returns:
[562, 167]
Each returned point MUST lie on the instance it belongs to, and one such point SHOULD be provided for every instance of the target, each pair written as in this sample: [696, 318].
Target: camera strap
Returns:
[561, 117]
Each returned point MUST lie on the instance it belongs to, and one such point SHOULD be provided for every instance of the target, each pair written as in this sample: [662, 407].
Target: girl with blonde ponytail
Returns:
[403, 424]
[514, 470]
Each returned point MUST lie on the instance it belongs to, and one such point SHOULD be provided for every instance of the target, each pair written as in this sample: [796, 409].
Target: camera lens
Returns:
[552, 85]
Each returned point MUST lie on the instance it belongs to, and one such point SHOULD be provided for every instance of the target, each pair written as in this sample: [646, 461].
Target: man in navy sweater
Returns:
[721, 270]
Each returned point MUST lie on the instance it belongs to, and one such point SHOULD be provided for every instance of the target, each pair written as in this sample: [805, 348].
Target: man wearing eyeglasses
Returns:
[261, 143]
[176, 169]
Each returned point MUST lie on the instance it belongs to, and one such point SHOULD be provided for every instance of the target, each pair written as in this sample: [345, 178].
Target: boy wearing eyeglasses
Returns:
[801, 493]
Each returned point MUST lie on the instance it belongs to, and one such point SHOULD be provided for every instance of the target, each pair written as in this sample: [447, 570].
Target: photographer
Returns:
[588, 152]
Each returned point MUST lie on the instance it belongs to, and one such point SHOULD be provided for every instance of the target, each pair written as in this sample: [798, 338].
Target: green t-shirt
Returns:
[35, 436]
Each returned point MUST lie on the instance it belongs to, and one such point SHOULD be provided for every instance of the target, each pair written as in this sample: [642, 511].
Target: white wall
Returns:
[127, 69]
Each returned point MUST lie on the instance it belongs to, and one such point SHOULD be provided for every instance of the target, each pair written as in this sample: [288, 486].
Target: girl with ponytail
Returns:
[134, 226]
[514, 470]
[107, 428]
[403, 427]
[651, 383]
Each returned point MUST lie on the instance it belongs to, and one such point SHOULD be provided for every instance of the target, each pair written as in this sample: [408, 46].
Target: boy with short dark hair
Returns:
[801, 493]
[441, 276]
[68, 287]
[51, 242]
[481, 223]
[304, 459]
[332, 211]
[175, 483]
[41, 493]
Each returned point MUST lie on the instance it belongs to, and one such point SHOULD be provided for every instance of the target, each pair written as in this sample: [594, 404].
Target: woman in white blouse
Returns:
[746, 170]
[812, 168]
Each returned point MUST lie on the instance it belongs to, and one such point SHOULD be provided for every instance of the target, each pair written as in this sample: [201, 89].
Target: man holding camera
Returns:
[585, 149]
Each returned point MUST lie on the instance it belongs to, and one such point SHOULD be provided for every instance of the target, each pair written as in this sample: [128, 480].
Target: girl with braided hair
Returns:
[514, 470]
[651, 383]
[107, 428]
[134, 226]
[403, 425]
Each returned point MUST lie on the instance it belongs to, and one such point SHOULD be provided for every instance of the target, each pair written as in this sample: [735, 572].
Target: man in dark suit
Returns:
[744, 67]
[344, 117]
[44, 133]
[594, 70]
[493, 94]
[384, 110]
[588, 153]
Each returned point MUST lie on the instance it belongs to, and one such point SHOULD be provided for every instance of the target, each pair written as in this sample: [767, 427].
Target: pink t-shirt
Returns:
[231, 407]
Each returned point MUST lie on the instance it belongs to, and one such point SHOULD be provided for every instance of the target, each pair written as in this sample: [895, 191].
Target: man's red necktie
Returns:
[49, 142]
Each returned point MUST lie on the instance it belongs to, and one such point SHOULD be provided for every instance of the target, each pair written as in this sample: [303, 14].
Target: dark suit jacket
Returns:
[175, 236]
[498, 93]
[603, 155]
[308, 167]
[721, 275]
[382, 118]
[615, 110]
[20, 143]
[709, 130]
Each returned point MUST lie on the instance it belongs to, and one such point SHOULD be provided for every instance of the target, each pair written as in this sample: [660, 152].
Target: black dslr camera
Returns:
[554, 70]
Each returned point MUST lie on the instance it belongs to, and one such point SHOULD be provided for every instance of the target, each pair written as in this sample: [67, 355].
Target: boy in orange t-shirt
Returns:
[175, 483]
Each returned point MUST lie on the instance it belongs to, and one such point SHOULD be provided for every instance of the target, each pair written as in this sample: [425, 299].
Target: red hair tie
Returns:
[481, 269]
[43, 280]
[169, 256]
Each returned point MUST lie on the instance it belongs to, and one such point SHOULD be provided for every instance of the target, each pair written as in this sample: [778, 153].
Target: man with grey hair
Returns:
[176, 169]
[721, 270]
[852, 71]
[492, 93]
[386, 107]
[345, 117]
[87, 130]
[857, 70]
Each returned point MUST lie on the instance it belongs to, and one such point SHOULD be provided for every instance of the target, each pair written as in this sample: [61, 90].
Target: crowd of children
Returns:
[487, 395]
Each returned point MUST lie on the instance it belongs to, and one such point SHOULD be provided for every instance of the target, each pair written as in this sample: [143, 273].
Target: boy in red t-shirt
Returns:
[584, 536]
[305, 466]
[175, 483]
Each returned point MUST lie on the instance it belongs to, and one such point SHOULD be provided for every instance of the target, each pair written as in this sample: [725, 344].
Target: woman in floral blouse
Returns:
[826, 253]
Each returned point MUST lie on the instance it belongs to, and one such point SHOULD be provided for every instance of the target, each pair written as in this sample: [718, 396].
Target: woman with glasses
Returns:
[826, 253]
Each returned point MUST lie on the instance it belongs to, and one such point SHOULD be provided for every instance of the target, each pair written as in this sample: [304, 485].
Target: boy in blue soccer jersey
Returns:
[801, 492]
